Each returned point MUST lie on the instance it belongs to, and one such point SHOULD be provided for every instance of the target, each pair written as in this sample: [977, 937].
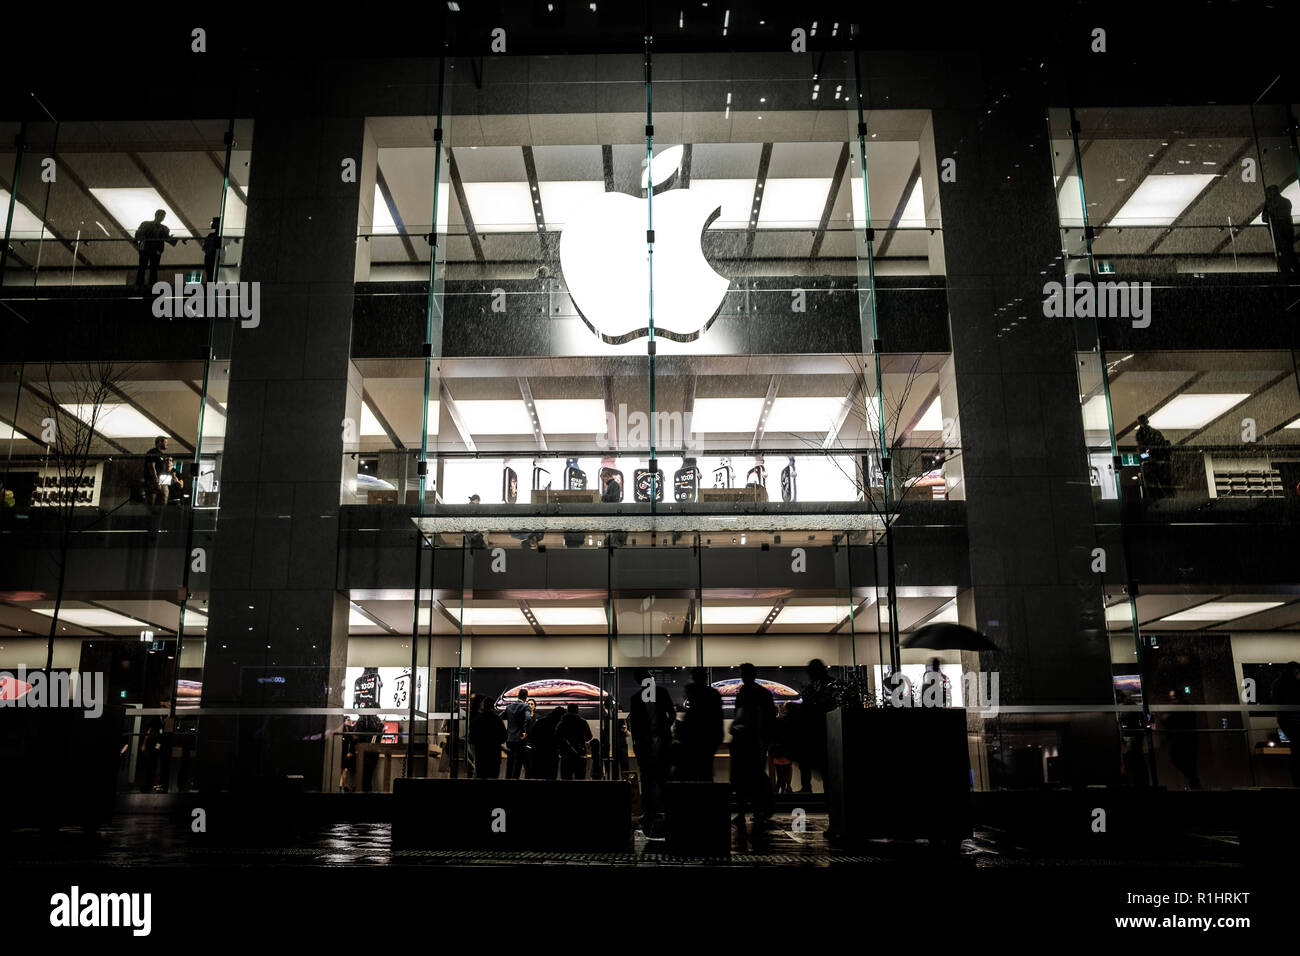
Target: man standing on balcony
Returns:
[149, 239]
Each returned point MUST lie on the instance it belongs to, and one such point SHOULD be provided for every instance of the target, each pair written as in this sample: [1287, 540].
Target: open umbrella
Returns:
[949, 637]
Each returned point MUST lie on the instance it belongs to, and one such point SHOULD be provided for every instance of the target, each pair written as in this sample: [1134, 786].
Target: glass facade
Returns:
[577, 366]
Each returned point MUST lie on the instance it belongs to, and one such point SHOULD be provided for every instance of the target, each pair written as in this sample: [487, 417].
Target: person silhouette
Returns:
[1277, 213]
[149, 239]
[752, 729]
[700, 732]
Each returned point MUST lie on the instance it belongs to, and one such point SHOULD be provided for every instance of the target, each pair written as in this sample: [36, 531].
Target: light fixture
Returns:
[26, 224]
[1159, 200]
[726, 415]
[793, 203]
[570, 616]
[495, 416]
[131, 206]
[804, 415]
[572, 416]
[1194, 411]
[114, 420]
[92, 617]
[1221, 610]
[713, 615]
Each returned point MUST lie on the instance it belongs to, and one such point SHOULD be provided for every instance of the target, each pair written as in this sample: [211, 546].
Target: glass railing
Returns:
[100, 261]
[783, 475]
[118, 484]
[1128, 250]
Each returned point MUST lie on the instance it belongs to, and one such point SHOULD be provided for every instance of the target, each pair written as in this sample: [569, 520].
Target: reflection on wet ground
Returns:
[158, 840]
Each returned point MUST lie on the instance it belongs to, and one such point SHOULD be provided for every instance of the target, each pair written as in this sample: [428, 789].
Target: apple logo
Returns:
[604, 260]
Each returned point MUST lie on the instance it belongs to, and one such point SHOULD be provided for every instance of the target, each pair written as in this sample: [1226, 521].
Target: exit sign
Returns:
[1130, 458]
[1106, 268]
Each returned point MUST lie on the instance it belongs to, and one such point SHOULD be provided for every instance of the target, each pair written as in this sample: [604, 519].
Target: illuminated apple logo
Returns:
[604, 260]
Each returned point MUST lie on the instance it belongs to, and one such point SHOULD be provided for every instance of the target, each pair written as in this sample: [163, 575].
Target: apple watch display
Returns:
[643, 479]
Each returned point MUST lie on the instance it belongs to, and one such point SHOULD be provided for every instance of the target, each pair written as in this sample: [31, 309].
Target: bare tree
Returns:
[85, 388]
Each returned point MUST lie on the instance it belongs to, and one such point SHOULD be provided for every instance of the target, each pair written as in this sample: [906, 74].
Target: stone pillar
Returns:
[1028, 501]
[277, 637]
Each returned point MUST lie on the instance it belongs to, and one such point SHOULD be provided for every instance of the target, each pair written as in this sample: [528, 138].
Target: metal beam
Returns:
[849, 400]
[153, 419]
[912, 179]
[526, 391]
[831, 196]
[1132, 426]
[166, 196]
[1275, 380]
[383, 422]
[772, 385]
[386, 194]
[453, 171]
[756, 207]
[684, 171]
[58, 410]
[607, 162]
[454, 412]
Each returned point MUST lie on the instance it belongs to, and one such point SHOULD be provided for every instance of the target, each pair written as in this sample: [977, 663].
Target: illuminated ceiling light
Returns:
[91, 617]
[932, 420]
[26, 224]
[726, 415]
[1223, 610]
[382, 221]
[500, 207]
[1294, 424]
[491, 616]
[914, 212]
[743, 614]
[357, 619]
[7, 431]
[947, 616]
[571, 416]
[115, 421]
[793, 203]
[563, 200]
[804, 415]
[496, 417]
[570, 616]
[734, 196]
[370, 427]
[812, 614]
[134, 205]
[1291, 192]
[1195, 411]
[1159, 200]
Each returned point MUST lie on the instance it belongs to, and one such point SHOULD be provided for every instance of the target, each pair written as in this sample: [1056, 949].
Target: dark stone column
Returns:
[277, 636]
[1029, 504]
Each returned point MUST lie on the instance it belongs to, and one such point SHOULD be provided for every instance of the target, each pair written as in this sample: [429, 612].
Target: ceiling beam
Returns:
[383, 422]
[530, 617]
[526, 391]
[756, 207]
[1232, 163]
[1132, 426]
[684, 170]
[921, 410]
[913, 178]
[387, 195]
[450, 404]
[842, 415]
[607, 163]
[57, 410]
[832, 196]
[170, 200]
[1275, 380]
[453, 172]
[773, 384]
[1152, 162]
[219, 162]
[110, 224]
[153, 419]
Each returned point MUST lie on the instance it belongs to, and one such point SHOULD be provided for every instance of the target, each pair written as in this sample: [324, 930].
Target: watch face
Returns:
[644, 479]
[686, 484]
